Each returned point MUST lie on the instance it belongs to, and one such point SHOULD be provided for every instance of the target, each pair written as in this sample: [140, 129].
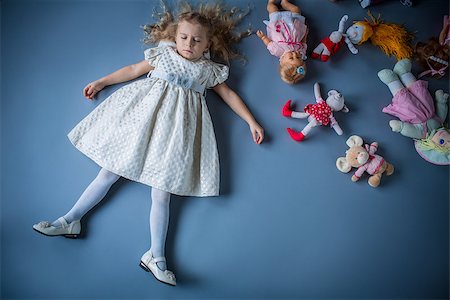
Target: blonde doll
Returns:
[158, 130]
[286, 39]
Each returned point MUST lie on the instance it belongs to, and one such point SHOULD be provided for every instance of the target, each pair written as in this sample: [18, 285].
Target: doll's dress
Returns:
[286, 31]
[320, 111]
[412, 105]
[158, 130]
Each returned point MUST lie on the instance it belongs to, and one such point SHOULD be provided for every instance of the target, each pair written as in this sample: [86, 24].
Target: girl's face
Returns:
[191, 39]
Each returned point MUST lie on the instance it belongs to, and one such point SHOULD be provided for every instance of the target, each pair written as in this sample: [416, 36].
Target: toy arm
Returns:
[317, 92]
[359, 173]
[263, 37]
[342, 23]
[350, 46]
[335, 126]
[372, 148]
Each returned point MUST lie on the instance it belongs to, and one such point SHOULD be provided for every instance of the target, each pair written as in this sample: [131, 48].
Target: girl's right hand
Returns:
[92, 89]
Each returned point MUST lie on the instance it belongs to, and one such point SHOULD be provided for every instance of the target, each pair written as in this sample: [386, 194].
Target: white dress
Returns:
[158, 130]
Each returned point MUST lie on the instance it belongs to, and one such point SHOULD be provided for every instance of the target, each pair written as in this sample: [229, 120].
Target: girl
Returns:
[286, 39]
[158, 130]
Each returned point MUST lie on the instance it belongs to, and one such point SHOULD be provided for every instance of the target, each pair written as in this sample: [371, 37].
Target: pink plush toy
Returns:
[320, 113]
[365, 160]
[330, 45]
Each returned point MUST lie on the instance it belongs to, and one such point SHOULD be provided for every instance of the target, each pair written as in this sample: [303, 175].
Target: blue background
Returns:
[288, 224]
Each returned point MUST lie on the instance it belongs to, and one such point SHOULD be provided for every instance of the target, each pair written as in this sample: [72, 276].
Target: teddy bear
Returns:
[365, 160]
[320, 113]
[330, 45]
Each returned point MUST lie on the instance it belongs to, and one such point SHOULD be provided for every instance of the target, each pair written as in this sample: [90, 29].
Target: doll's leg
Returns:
[299, 115]
[272, 6]
[159, 222]
[312, 123]
[403, 69]
[391, 79]
[288, 112]
[93, 194]
[299, 136]
[286, 5]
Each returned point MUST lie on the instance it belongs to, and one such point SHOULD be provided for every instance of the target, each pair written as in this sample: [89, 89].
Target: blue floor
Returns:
[288, 224]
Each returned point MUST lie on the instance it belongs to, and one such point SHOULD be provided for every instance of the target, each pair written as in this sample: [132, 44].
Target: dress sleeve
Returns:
[218, 75]
[274, 49]
[152, 55]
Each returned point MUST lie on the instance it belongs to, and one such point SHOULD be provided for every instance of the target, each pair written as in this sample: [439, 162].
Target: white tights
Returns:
[159, 212]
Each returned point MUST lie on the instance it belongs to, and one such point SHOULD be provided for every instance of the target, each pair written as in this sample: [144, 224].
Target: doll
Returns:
[330, 45]
[317, 114]
[433, 55]
[286, 39]
[419, 118]
[392, 39]
[158, 131]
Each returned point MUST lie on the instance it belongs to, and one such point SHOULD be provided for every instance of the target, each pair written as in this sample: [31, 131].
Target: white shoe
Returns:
[67, 230]
[149, 264]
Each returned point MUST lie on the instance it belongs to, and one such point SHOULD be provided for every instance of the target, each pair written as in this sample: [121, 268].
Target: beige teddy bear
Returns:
[365, 160]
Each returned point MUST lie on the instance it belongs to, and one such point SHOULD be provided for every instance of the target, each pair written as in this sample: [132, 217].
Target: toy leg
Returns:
[374, 180]
[389, 169]
[299, 136]
[286, 5]
[441, 104]
[272, 6]
[403, 69]
[288, 112]
[318, 50]
[406, 129]
[93, 194]
[312, 123]
[391, 79]
[299, 115]
[159, 222]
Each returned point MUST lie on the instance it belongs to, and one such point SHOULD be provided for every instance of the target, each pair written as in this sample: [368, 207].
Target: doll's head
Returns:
[433, 57]
[219, 23]
[435, 148]
[292, 67]
[392, 39]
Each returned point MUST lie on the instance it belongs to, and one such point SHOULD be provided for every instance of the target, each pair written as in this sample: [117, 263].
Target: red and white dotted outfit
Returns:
[321, 111]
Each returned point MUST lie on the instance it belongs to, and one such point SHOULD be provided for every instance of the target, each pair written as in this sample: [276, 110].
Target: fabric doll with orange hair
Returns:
[392, 39]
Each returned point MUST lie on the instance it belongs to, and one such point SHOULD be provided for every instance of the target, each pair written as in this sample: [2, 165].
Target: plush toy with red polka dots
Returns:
[320, 113]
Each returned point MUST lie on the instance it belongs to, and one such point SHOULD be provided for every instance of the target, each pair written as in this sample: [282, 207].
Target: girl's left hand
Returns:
[257, 133]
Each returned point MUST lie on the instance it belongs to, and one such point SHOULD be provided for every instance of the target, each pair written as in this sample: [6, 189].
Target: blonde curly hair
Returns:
[220, 21]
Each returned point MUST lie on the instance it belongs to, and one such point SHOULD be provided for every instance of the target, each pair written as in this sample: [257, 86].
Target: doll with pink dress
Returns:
[286, 39]
[421, 118]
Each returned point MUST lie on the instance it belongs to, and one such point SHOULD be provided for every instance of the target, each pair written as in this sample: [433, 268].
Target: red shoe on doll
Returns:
[296, 136]
[287, 111]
